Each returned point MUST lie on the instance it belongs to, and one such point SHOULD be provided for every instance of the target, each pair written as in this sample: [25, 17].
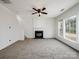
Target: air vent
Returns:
[6, 1]
[62, 10]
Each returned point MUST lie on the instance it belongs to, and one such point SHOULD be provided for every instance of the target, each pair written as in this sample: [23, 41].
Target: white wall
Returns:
[27, 24]
[47, 25]
[71, 12]
[32, 23]
[10, 30]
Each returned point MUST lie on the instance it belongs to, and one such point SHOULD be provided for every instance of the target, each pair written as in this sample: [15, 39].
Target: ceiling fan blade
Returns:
[43, 9]
[6, 1]
[34, 13]
[35, 9]
[44, 13]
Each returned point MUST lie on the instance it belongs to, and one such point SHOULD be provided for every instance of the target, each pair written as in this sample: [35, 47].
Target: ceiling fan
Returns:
[6, 1]
[39, 11]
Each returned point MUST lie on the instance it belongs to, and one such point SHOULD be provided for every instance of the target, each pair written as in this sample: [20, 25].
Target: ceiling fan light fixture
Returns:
[39, 11]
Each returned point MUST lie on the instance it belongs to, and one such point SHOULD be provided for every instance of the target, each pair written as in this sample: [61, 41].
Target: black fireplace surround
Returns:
[38, 34]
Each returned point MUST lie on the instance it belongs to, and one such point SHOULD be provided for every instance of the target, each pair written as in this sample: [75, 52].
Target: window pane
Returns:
[70, 26]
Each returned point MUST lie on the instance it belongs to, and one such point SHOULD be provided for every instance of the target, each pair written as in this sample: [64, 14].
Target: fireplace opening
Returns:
[39, 34]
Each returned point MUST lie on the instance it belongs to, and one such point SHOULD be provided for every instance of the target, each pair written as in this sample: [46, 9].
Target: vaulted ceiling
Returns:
[54, 7]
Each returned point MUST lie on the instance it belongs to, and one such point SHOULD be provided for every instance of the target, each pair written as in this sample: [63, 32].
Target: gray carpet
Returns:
[38, 49]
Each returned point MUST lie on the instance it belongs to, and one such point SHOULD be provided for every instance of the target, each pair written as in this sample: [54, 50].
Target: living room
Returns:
[46, 27]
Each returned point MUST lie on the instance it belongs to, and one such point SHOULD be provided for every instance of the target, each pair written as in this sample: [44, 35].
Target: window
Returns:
[60, 25]
[70, 28]
[67, 28]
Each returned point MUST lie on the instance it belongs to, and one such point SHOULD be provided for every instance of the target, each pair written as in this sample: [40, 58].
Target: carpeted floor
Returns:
[38, 49]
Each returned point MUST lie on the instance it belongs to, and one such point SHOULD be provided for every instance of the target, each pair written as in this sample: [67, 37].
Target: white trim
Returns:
[77, 29]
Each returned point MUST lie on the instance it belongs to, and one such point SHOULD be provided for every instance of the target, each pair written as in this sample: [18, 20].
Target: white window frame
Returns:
[77, 29]
[59, 27]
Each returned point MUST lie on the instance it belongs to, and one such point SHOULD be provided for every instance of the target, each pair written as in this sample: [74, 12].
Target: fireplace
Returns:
[39, 34]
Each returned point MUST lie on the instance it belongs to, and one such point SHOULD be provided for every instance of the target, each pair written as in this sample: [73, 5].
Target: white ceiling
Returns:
[53, 6]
